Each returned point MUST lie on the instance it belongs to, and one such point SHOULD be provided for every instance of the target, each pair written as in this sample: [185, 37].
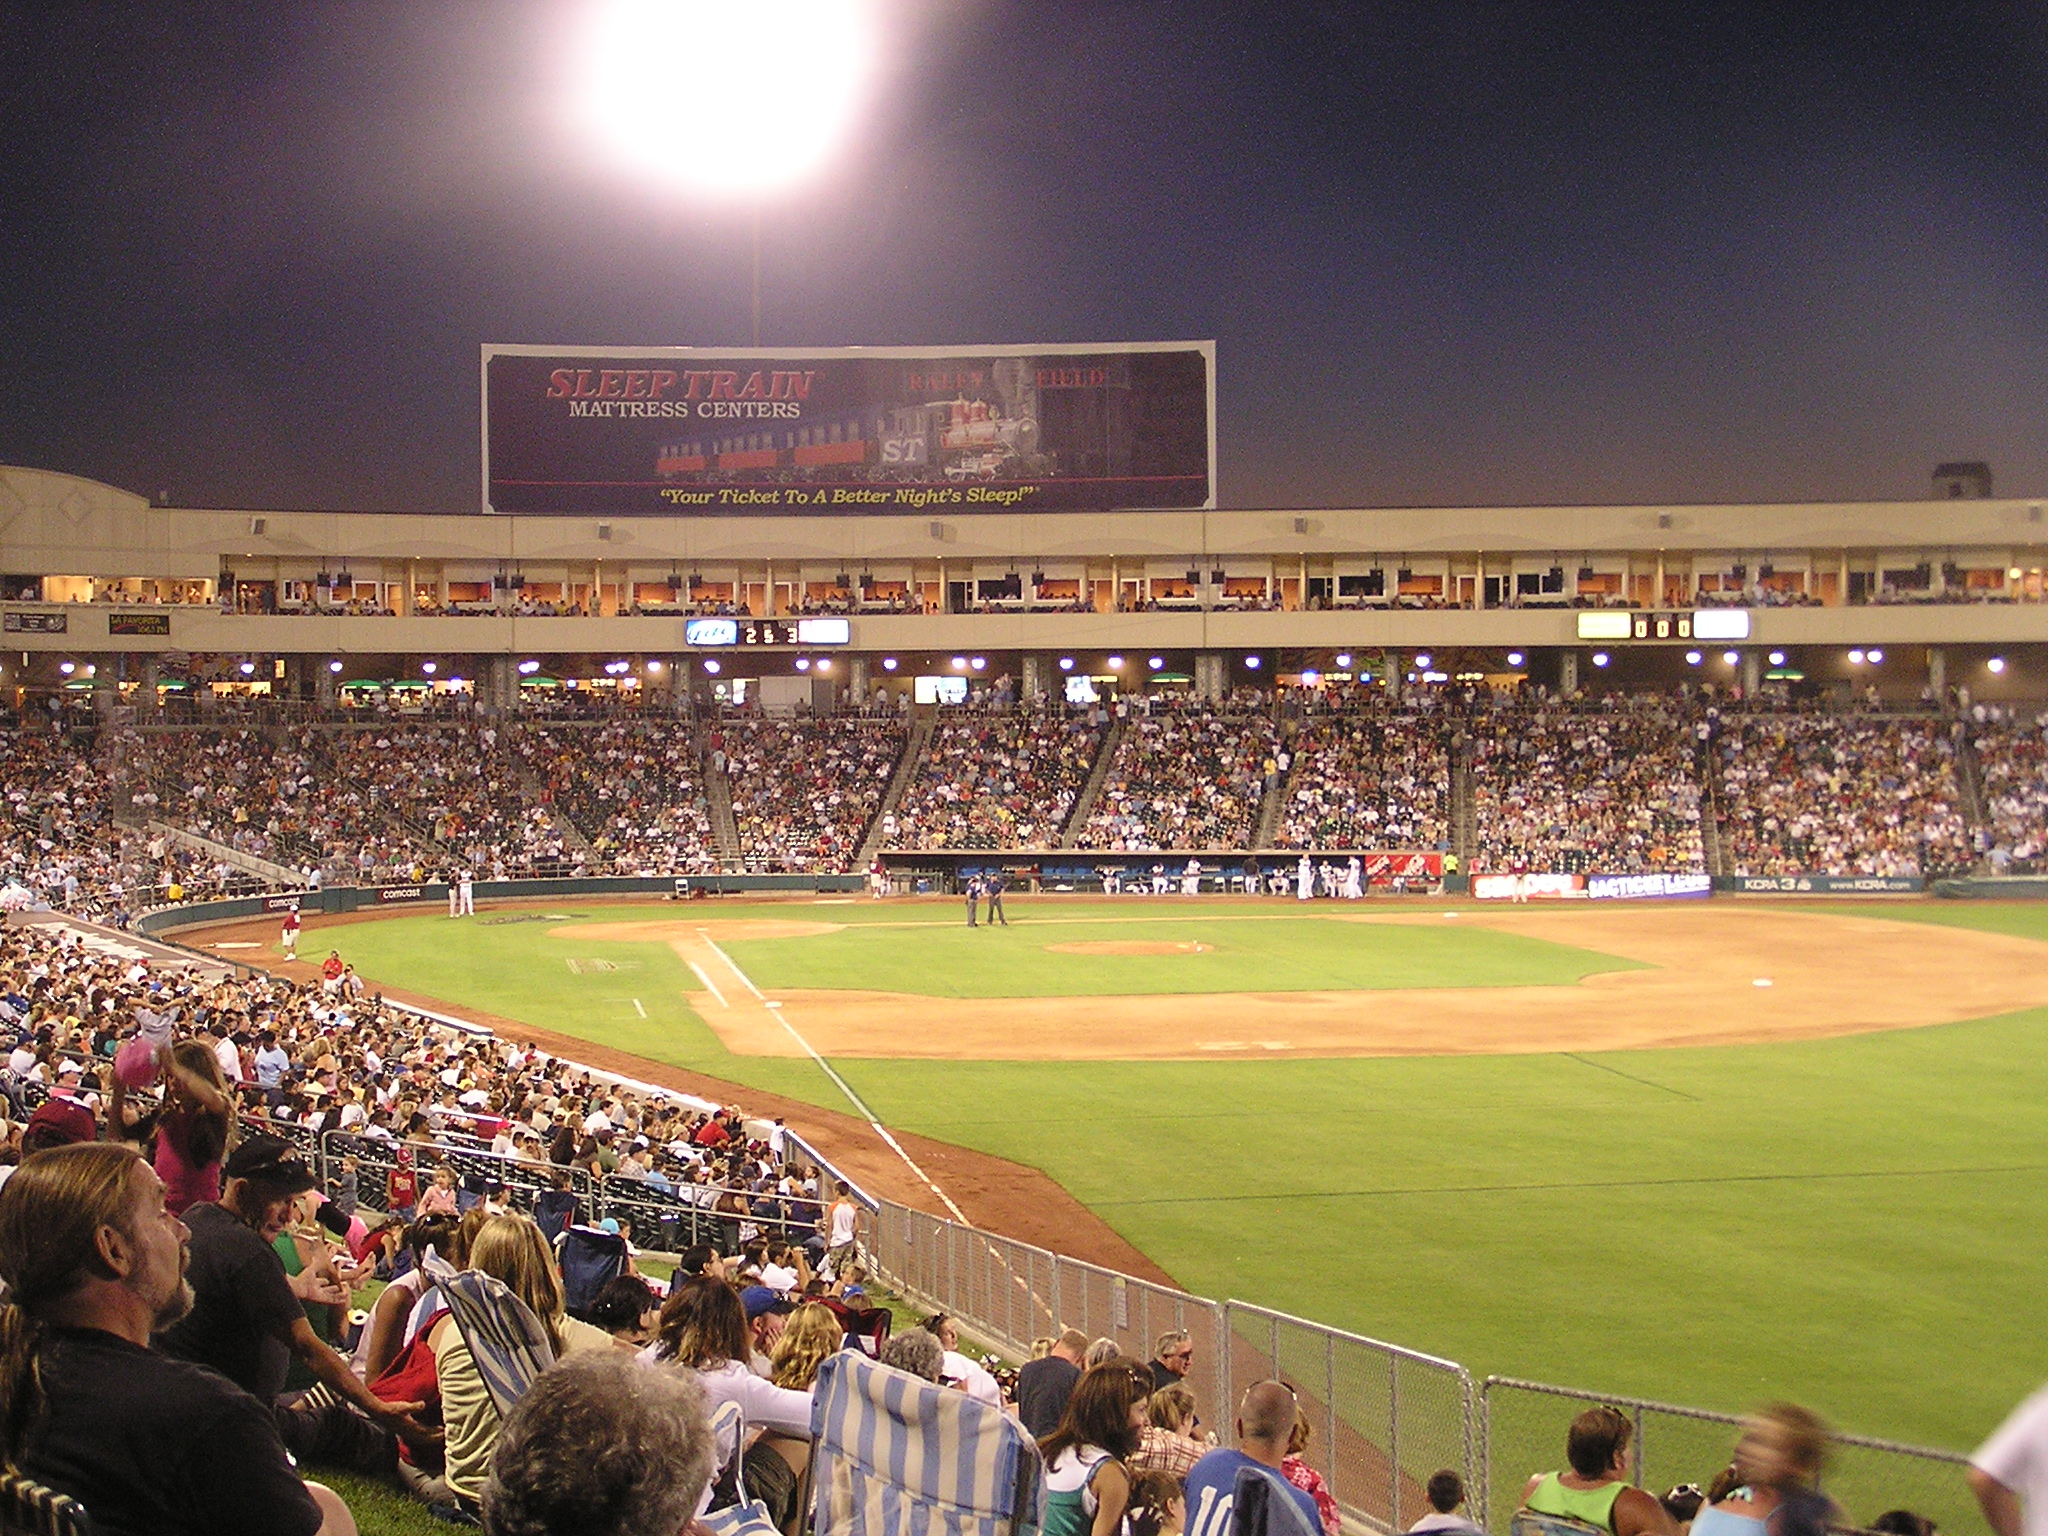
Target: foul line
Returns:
[859, 1104]
[701, 976]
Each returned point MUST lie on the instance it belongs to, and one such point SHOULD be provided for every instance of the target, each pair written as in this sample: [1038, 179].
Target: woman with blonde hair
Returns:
[510, 1249]
[812, 1335]
[1778, 1459]
[1173, 1440]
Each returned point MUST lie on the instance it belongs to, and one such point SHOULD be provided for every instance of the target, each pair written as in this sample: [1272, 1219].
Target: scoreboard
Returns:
[714, 634]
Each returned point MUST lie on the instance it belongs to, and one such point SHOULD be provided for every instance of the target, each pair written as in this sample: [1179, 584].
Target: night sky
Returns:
[1451, 253]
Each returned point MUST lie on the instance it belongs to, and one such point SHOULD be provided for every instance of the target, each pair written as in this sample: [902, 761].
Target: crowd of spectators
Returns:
[805, 791]
[1368, 781]
[633, 788]
[1566, 790]
[2012, 762]
[459, 784]
[1186, 774]
[1850, 795]
[995, 781]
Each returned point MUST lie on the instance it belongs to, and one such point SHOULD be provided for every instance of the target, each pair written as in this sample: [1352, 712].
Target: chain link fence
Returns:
[1525, 1422]
[1382, 1419]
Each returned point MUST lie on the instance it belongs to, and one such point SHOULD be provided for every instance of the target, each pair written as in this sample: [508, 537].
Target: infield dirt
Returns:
[1721, 975]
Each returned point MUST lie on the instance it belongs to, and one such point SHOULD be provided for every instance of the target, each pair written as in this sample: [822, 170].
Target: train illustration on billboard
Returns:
[856, 430]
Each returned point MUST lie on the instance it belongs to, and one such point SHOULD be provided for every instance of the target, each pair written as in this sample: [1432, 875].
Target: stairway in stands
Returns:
[725, 831]
[1970, 783]
[1276, 799]
[921, 728]
[1084, 803]
[1705, 764]
[1464, 819]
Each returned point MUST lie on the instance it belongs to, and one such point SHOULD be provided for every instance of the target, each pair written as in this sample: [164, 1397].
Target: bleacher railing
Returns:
[1383, 1418]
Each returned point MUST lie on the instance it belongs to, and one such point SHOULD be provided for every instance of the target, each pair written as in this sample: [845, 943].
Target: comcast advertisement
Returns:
[668, 430]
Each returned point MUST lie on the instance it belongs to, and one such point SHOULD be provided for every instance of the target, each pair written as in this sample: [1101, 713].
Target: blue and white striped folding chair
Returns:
[505, 1339]
[900, 1456]
[1261, 1506]
[748, 1519]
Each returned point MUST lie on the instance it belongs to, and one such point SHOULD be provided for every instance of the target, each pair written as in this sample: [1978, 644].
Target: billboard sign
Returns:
[1647, 887]
[841, 431]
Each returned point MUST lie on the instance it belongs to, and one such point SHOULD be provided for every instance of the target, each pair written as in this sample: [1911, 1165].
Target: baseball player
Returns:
[468, 889]
[972, 886]
[1304, 880]
[291, 932]
[454, 896]
[1354, 880]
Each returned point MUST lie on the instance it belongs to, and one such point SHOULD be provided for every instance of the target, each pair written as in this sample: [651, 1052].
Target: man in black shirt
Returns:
[93, 1262]
[1044, 1385]
[247, 1320]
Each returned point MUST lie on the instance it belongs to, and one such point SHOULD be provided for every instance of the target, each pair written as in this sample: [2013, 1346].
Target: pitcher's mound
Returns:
[1130, 947]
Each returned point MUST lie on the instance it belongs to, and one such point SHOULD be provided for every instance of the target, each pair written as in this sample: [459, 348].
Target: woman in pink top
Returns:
[192, 1131]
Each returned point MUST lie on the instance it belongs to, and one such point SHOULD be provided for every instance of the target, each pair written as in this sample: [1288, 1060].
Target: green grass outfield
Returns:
[1853, 1223]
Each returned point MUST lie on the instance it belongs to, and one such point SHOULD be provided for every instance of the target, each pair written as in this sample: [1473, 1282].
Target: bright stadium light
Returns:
[1731, 657]
[1252, 662]
[1344, 658]
[654, 666]
[803, 663]
[1116, 663]
[1995, 664]
[824, 663]
[978, 663]
[711, 665]
[1599, 658]
[67, 667]
[1156, 662]
[1693, 658]
[1422, 660]
[1066, 663]
[1777, 658]
[959, 663]
[1874, 657]
[1514, 658]
[888, 663]
[334, 666]
[429, 668]
[1855, 658]
[724, 98]
[528, 668]
[248, 668]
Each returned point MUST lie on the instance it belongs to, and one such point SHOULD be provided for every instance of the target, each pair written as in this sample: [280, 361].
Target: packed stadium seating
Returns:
[1565, 789]
[1185, 775]
[804, 792]
[2012, 758]
[1853, 794]
[995, 781]
[1367, 782]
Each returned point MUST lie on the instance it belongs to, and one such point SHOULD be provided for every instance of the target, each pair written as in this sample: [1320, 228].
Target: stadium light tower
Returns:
[727, 99]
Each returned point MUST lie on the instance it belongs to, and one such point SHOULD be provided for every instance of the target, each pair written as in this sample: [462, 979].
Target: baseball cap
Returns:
[854, 1290]
[758, 1299]
[63, 1121]
[270, 1161]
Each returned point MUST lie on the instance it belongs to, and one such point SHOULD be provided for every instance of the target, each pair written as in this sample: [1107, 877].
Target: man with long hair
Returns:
[95, 1263]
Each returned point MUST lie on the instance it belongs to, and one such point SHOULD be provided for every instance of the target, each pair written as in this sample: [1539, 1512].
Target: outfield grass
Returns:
[1853, 1223]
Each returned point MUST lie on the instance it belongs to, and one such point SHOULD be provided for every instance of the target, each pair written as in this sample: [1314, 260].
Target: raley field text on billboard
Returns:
[848, 430]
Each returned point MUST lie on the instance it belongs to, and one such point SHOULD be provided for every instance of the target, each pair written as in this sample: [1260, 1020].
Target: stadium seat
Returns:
[27, 1508]
[1527, 1522]
[1260, 1507]
[966, 1468]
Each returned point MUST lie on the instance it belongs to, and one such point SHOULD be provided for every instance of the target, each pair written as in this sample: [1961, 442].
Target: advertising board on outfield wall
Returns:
[1647, 887]
[1820, 885]
[848, 430]
[1531, 887]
